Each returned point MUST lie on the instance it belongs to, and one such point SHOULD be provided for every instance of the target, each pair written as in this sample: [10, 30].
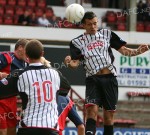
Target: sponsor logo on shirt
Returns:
[95, 44]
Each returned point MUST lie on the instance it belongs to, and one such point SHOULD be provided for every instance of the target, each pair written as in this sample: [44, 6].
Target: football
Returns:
[74, 13]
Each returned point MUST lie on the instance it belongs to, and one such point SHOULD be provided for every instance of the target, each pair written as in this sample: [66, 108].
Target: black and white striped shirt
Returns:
[37, 86]
[95, 50]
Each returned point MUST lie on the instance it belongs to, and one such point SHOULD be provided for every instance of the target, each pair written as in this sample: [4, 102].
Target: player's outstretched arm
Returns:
[133, 52]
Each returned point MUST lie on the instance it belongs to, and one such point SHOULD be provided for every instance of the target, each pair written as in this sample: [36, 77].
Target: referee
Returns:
[93, 48]
[37, 86]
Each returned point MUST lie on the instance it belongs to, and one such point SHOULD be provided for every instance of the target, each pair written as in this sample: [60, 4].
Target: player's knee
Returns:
[92, 112]
[81, 129]
[108, 118]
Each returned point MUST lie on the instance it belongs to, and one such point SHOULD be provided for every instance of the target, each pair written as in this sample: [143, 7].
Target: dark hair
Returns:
[34, 49]
[88, 15]
[21, 42]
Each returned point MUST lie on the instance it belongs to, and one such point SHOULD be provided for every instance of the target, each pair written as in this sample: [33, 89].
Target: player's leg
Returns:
[11, 117]
[91, 106]
[81, 129]
[108, 122]
[3, 115]
[3, 131]
[110, 98]
[91, 118]
[11, 131]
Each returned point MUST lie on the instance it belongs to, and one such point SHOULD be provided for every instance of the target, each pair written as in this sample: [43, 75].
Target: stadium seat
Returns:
[121, 17]
[140, 26]
[39, 12]
[15, 18]
[3, 2]
[9, 10]
[12, 2]
[31, 3]
[138, 94]
[41, 3]
[121, 27]
[8, 19]
[21, 3]
[1, 10]
[147, 27]
[30, 9]
[19, 10]
[1, 19]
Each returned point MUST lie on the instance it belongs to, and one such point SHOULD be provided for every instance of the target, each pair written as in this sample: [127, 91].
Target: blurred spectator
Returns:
[34, 20]
[147, 10]
[43, 21]
[95, 3]
[25, 18]
[113, 3]
[140, 11]
[53, 21]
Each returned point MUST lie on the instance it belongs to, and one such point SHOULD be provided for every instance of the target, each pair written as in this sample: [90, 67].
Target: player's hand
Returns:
[142, 48]
[45, 62]
[67, 60]
[3, 75]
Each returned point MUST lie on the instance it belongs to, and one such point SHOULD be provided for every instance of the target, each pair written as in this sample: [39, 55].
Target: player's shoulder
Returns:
[78, 37]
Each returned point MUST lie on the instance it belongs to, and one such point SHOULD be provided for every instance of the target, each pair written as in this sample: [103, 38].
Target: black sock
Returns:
[90, 127]
[108, 130]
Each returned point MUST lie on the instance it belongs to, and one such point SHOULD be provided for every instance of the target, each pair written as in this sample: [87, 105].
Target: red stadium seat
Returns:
[12, 2]
[9, 10]
[1, 10]
[8, 19]
[39, 12]
[19, 10]
[30, 9]
[41, 3]
[121, 27]
[3, 2]
[15, 18]
[140, 26]
[22, 3]
[147, 27]
[1, 19]
[121, 17]
[31, 3]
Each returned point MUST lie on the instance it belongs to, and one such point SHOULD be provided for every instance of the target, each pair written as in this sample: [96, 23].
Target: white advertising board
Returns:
[133, 71]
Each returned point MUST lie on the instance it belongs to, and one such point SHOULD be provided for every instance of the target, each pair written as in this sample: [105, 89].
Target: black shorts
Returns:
[102, 90]
[36, 131]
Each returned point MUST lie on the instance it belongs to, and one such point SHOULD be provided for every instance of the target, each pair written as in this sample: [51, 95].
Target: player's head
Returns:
[90, 22]
[20, 48]
[34, 50]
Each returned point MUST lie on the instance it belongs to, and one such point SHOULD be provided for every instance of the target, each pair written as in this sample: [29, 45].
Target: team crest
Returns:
[4, 81]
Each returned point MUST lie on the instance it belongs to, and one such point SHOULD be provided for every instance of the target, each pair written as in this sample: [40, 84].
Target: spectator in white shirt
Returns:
[43, 21]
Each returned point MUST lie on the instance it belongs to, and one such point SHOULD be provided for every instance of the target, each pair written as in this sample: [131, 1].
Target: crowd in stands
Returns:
[143, 16]
[38, 13]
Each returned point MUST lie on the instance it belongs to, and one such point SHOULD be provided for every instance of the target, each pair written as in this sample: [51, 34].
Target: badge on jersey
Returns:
[4, 81]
